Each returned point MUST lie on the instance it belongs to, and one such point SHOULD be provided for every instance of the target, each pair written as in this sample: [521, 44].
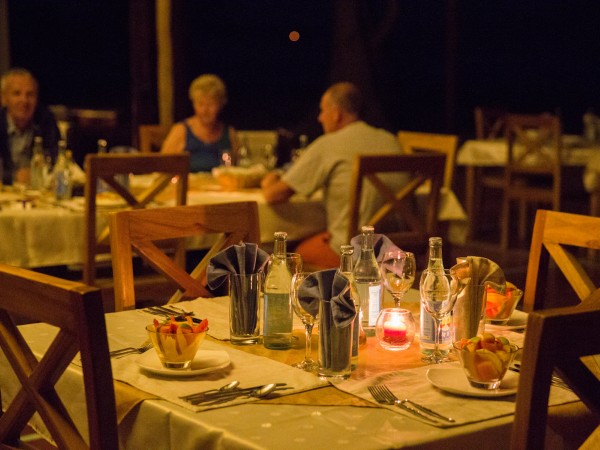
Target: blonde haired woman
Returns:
[208, 140]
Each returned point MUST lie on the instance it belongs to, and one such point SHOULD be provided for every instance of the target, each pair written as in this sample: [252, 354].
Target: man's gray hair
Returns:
[15, 71]
[347, 96]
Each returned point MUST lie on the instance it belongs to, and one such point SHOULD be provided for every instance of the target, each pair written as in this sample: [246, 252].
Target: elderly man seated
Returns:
[22, 118]
[327, 164]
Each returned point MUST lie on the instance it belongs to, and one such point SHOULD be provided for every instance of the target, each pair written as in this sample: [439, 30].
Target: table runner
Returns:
[413, 384]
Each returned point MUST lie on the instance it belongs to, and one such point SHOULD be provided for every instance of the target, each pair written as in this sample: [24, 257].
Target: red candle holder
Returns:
[395, 329]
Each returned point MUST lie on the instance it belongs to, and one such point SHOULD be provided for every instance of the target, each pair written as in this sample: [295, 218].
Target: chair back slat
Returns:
[555, 234]
[108, 168]
[76, 310]
[396, 179]
[219, 225]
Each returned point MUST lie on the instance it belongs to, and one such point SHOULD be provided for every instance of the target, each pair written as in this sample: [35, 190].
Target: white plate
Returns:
[455, 381]
[517, 321]
[205, 361]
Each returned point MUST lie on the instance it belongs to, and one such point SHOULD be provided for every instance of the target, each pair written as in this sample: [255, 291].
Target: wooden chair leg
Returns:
[522, 231]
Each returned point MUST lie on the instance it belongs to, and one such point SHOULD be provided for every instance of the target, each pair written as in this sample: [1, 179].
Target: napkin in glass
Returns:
[242, 258]
[381, 245]
[331, 290]
[474, 273]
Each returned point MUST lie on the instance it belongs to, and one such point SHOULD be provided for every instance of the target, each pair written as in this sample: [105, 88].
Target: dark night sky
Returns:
[530, 56]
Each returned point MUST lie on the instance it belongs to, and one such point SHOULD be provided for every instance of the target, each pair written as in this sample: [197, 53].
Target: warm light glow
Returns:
[294, 36]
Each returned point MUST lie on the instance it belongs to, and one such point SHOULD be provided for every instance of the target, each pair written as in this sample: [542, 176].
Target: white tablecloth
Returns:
[50, 235]
[160, 424]
[490, 153]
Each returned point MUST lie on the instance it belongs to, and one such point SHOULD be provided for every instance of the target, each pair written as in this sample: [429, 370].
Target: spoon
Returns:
[228, 387]
[258, 392]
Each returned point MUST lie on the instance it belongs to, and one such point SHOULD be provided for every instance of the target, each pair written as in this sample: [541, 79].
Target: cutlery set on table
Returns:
[383, 395]
[231, 392]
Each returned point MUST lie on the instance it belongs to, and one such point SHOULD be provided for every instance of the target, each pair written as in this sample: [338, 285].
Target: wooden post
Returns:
[4, 37]
[164, 46]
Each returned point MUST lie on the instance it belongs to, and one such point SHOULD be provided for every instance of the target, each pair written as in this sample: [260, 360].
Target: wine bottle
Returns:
[427, 324]
[63, 187]
[37, 165]
[368, 282]
[277, 306]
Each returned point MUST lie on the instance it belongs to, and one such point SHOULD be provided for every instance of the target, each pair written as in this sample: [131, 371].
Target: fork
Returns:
[384, 396]
[147, 345]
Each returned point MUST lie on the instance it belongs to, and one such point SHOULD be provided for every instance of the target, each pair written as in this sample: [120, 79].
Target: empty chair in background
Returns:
[533, 170]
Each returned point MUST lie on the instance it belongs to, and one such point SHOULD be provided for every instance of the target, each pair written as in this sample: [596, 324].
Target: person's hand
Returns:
[269, 179]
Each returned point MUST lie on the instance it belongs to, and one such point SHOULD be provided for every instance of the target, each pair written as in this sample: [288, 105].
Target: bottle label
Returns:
[427, 334]
[374, 303]
[277, 314]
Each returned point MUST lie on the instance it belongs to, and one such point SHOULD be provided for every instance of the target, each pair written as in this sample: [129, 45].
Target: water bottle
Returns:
[368, 282]
[63, 187]
[37, 165]
[427, 334]
[101, 185]
[277, 306]
[346, 266]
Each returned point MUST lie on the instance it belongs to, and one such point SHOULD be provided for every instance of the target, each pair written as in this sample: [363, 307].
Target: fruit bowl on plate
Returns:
[498, 306]
[485, 359]
[176, 341]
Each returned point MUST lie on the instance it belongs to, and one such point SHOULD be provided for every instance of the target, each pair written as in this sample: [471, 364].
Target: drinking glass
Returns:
[398, 270]
[308, 364]
[439, 289]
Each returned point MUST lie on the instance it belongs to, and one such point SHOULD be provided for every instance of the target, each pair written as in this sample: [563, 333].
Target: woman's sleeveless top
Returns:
[203, 156]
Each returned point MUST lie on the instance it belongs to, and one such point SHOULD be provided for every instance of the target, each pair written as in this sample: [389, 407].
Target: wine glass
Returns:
[398, 270]
[308, 364]
[439, 290]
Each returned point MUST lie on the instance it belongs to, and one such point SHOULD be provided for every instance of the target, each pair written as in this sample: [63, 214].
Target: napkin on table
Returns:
[381, 245]
[337, 312]
[474, 272]
[242, 258]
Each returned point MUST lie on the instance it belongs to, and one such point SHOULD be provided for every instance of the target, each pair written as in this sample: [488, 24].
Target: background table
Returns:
[478, 154]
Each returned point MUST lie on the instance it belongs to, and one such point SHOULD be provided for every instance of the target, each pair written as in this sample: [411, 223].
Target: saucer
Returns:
[455, 381]
[517, 321]
[205, 361]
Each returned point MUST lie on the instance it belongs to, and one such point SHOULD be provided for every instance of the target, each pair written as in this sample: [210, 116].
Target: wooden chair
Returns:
[489, 122]
[108, 168]
[228, 223]
[416, 220]
[558, 340]
[412, 142]
[533, 171]
[151, 137]
[76, 310]
[555, 235]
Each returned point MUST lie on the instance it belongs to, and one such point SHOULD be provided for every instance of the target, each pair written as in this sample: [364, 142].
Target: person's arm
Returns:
[175, 140]
[274, 189]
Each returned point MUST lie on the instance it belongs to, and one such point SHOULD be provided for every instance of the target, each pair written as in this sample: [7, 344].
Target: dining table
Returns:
[311, 413]
[38, 231]
[475, 155]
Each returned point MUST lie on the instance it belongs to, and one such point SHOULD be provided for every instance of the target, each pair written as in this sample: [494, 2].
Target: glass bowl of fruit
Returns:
[485, 359]
[498, 306]
[176, 340]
